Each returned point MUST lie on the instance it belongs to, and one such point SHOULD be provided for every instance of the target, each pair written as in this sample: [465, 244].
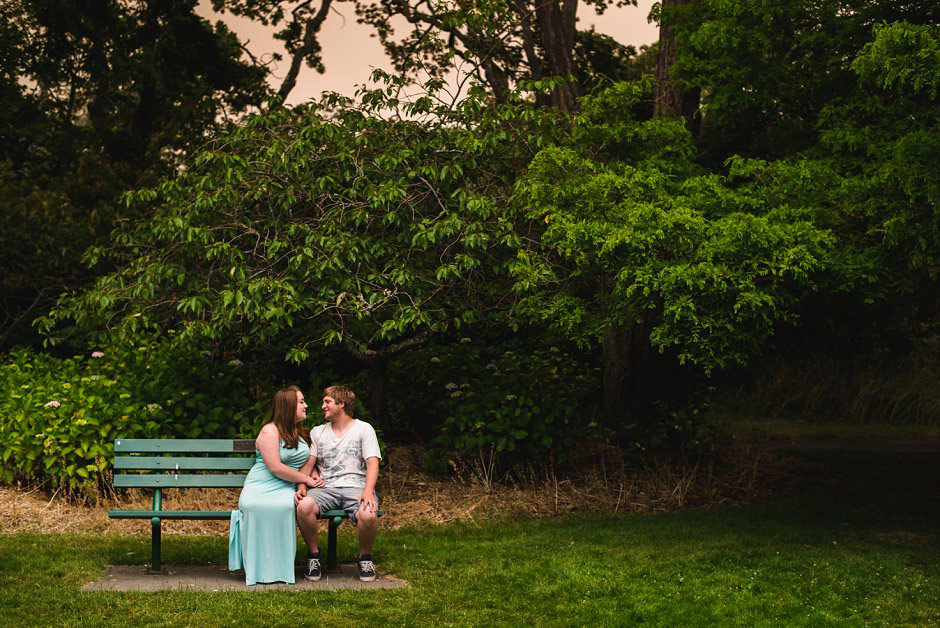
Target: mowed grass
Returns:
[859, 545]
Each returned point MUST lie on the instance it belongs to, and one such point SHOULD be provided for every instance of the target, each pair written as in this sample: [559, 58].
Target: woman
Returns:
[262, 535]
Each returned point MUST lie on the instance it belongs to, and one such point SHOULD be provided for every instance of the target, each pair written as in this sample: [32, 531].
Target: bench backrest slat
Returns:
[167, 463]
[173, 480]
[182, 445]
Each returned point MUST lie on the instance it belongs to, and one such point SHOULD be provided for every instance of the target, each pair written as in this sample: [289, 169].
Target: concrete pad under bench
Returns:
[217, 578]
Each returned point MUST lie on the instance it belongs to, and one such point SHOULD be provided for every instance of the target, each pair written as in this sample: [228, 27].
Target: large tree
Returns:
[501, 42]
[767, 70]
[647, 250]
[338, 223]
[643, 251]
[97, 98]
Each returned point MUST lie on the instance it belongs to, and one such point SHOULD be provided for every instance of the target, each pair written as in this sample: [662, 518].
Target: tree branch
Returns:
[371, 356]
[309, 46]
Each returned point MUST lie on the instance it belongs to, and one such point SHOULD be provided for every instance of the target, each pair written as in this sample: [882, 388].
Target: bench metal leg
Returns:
[155, 564]
[331, 543]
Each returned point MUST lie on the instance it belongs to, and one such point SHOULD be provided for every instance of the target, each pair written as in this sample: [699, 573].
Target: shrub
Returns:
[59, 417]
[689, 428]
[528, 404]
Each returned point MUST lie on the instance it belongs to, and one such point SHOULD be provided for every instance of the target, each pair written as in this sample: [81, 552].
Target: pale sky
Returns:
[350, 53]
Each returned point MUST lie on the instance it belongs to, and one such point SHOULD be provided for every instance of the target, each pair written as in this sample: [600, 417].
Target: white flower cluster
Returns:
[53, 404]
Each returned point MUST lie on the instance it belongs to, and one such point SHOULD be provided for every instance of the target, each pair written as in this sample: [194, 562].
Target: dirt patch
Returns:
[603, 480]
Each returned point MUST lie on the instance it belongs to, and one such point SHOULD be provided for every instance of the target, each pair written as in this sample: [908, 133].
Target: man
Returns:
[347, 451]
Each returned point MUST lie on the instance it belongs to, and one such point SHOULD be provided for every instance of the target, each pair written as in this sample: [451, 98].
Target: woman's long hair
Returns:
[284, 417]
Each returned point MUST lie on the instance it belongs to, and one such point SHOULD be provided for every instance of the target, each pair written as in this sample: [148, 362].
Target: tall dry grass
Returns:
[892, 392]
[602, 479]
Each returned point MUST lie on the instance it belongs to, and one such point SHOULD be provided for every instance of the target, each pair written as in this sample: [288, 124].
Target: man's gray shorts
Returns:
[345, 498]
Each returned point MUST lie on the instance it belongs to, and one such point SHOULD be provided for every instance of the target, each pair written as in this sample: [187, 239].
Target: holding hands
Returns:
[313, 481]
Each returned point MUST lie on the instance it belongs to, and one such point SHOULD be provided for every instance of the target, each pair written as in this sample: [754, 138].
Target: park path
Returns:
[874, 445]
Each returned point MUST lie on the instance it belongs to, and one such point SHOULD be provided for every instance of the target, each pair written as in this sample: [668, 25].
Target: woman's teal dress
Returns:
[262, 537]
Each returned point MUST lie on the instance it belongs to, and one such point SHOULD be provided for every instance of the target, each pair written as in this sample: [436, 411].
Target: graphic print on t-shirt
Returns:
[342, 462]
[339, 461]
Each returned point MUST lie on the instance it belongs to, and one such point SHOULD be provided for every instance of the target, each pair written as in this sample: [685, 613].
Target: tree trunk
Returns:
[637, 377]
[528, 45]
[557, 26]
[628, 399]
[378, 401]
[638, 380]
[669, 101]
[498, 80]
[376, 360]
[616, 381]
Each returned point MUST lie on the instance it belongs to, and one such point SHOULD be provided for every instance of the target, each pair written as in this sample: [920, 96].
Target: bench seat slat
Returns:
[170, 514]
[173, 463]
[182, 445]
[173, 480]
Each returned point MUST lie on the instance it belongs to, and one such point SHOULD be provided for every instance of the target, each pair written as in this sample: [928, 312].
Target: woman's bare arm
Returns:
[268, 444]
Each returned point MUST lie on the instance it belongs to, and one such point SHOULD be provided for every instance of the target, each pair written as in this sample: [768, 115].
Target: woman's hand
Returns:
[315, 481]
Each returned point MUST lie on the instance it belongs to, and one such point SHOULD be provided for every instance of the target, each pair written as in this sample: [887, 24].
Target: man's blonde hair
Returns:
[344, 395]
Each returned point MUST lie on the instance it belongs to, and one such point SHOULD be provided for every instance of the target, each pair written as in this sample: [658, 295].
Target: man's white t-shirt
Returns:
[342, 460]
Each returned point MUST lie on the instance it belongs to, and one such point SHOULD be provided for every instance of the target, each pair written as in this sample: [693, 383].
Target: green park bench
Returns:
[158, 471]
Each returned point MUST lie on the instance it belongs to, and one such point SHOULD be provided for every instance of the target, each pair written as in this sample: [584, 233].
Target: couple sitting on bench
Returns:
[286, 479]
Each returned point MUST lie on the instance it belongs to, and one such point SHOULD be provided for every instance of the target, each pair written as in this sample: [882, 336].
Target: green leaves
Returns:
[510, 398]
[716, 262]
[60, 425]
[902, 57]
[308, 224]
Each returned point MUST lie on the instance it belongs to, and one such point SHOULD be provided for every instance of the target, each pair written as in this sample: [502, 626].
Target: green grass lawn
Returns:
[859, 545]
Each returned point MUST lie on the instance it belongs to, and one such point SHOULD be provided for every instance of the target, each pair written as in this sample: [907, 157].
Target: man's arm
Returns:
[367, 499]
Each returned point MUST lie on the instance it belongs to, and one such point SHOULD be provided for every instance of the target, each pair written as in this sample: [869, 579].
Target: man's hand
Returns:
[367, 502]
[315, 481]
[300, 494]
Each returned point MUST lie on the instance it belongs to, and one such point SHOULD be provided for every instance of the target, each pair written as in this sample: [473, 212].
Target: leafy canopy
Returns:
[369, 222]
[635, 232]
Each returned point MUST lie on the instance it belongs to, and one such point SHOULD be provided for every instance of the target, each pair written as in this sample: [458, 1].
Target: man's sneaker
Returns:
[366, 568]
[313, 569]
